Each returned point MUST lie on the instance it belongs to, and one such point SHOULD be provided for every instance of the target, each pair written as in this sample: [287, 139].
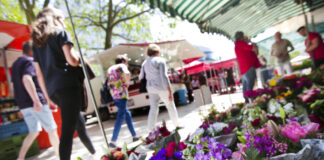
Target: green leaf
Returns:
[79, 158]
[283, 115]
[242, 139]
[252, 154]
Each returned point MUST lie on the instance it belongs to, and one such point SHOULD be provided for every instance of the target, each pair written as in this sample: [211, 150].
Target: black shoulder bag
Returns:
[142, 88]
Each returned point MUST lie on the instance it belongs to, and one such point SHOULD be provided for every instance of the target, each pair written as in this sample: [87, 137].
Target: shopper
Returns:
[280, 51]
[314, 46]
[57, 68]
[118, 82]
[247, 58]
[158, 86]
[186, 80]
[32, 102]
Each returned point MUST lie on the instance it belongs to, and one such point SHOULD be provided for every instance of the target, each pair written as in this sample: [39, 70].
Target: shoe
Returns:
[112, 145]
[135, 139]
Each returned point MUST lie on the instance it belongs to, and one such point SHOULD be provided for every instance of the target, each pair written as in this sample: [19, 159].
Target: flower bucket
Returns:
[163, 142]
[228, 140]
[133, 156]
[313, 149]
[305, 154]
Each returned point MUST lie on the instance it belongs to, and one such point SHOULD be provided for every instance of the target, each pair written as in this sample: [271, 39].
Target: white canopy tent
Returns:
[173, 51]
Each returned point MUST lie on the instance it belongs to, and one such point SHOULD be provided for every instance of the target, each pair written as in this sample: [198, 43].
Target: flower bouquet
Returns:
[172, 151]
[123, 154]
[208, 148]
[222, 132]
[160, 137]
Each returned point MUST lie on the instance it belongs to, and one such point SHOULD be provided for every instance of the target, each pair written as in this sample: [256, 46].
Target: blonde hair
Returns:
[153, 49]
[47, 22]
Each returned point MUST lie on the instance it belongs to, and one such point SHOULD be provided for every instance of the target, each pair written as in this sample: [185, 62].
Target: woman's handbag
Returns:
[84, 95]
[106, 97]
[142, 88]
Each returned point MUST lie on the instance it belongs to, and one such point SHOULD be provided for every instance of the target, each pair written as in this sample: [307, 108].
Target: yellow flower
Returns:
[287, 93]
[273, 82]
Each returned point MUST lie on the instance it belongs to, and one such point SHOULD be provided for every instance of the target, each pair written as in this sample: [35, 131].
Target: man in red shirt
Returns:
[314, 46]
[246, 55]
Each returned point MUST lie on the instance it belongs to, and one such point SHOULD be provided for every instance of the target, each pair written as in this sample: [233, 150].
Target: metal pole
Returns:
[87, 76]
[6, 68]
[305, 16]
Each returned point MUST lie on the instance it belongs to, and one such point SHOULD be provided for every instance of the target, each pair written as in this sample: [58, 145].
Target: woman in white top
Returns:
[158, 85]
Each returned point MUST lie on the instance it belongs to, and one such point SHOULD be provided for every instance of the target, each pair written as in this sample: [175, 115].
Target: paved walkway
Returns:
[188, 116]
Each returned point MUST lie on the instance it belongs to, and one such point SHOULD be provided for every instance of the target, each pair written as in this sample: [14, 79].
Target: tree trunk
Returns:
[108, 38]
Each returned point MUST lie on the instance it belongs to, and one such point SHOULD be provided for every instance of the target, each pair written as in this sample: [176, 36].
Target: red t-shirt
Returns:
[245, 56]
[319, 51]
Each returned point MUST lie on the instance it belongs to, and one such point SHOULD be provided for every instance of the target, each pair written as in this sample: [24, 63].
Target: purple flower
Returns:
[178, 155]
[199, 146]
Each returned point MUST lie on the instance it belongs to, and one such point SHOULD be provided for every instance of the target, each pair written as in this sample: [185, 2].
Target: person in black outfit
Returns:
[186, 80]
[56, 66]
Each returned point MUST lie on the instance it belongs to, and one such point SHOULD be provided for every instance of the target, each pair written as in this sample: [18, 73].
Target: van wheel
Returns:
[104, 113]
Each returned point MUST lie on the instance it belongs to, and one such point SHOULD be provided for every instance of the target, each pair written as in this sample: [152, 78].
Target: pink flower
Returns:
[239, 154]
[264, 132]
[294, 131]
[311, 127]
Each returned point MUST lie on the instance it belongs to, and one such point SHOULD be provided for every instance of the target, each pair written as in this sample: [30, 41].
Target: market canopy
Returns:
[200, 66]
[228, 16]
[174, 51]
[12, 37]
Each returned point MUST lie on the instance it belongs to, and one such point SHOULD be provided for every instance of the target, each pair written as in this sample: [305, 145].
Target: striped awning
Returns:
[228, 16]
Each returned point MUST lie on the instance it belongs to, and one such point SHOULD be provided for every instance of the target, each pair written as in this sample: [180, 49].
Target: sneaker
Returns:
[135, 139]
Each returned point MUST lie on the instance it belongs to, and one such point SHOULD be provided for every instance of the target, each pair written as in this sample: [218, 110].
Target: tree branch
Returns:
[87, 17]
[46, 3]
[128, 18]
[123, 37]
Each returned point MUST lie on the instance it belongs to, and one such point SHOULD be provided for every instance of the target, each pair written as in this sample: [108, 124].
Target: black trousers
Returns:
[69, 101]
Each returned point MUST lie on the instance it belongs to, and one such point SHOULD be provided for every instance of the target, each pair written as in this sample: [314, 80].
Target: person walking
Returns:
[314, 46]
[247, 58]
[118, 82]
[32, 102]
[280, 51]
[58, 72]
[158, 85]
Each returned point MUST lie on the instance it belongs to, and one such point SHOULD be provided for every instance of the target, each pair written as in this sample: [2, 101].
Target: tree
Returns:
[29, 6]
[111, 19]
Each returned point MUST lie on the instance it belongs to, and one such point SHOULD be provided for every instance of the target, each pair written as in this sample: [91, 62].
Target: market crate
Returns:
[14, 129]
[10, 147]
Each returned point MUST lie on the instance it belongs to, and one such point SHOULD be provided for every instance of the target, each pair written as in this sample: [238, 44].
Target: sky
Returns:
[218, 44]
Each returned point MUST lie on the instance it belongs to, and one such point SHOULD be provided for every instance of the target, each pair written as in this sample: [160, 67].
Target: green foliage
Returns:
[10, 11]
[283, 115]
[242, 139]
[294, 54]
[252, 154]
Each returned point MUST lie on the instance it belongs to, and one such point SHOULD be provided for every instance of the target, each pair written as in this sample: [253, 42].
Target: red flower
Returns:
[227, 131]
[256, 122]
[274, 118]
[164, 131]
[231, 126]
[170, 149]
[217, 118]
[104, 158]
[130, 152]
[182, 146]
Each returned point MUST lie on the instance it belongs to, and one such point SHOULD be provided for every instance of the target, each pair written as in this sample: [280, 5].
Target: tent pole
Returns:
[305, 16]
[86, 75]
[6, 68]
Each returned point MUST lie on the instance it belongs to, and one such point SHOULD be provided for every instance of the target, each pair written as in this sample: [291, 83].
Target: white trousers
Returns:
[284, 68]
[155, 95]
